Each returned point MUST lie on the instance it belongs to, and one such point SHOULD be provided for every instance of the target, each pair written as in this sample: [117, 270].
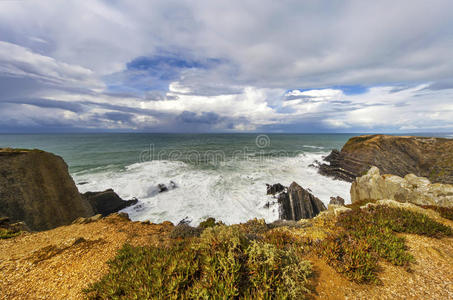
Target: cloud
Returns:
[227, 66]
[19, 62]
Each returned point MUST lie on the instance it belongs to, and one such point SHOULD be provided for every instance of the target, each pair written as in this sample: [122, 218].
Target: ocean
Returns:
[214, 175]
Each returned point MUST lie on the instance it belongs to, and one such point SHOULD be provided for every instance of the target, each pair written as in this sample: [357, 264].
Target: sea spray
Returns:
[232, 191]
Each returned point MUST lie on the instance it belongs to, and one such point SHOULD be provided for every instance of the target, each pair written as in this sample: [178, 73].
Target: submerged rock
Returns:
[164, 188]
[413, 189]
[273, 189]
[107, 202]
[397, 155]
[35, 187]
[298, 203]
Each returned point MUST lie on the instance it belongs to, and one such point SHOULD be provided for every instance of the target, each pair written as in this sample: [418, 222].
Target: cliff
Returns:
[398, 155]
[35, 187]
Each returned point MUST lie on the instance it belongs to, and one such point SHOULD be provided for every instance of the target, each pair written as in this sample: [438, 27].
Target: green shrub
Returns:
[183, 231]
[148, 273]
[350, 256]
[444, 212]
[209, 222]
[221, 264]
[276, 273]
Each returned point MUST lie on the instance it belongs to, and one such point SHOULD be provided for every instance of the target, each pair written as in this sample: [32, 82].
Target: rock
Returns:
[335, 210]
[413, 189]
[397, 155]
[274, 188]
[336, 200]
[162, 187]
[36, 188]
[107, 202]
[124, 215]
[298, 204]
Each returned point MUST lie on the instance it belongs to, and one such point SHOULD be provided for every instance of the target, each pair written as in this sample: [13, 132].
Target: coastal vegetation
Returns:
[222, 263]
[265, 260]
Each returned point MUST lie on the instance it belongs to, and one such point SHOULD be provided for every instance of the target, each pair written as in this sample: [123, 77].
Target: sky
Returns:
[226, 66]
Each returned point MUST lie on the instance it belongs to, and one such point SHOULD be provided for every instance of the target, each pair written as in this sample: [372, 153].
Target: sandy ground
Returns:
[59, 263]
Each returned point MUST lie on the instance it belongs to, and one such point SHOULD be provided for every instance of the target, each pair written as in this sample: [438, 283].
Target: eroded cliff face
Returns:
[398, 155]
[35, 187]
[413, 189]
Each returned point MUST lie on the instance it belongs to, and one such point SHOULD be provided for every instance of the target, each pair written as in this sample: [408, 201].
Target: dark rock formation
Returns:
[336, 200]
[35, 187]
[273, 189]
[397, 155]
[107, 202]
[298, 204]
[163, 188]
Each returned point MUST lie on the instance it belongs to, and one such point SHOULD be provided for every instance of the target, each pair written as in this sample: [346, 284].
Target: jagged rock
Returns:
[107, 202]
[336, 200]
[413, 189]
[298, 204]
[273, 189]
[36, 188]
[397, 155]
[164, 188]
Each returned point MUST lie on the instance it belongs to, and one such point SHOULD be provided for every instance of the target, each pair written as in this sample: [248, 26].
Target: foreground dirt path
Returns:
[59, 263]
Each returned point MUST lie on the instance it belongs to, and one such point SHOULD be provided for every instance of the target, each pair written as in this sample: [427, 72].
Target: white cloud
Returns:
[17, 61]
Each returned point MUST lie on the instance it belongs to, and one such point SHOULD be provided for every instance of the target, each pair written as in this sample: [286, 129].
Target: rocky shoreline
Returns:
[398, 155]
[336, 248]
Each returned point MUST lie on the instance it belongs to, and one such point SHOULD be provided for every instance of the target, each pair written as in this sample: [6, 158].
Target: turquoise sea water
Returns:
[216, 175]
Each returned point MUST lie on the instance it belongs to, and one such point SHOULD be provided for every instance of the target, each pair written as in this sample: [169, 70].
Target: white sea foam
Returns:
[233, 192]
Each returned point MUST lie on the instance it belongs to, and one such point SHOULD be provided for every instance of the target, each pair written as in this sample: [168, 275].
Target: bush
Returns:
[444, 212]
[221, 264]
[183, 231]
[209, 222]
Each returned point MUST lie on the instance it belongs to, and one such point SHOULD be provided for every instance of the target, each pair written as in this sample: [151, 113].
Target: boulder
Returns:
[36, 188]
[398, 155]
[107, 202]
[298, 203]
[336, 200]
[411, 188]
